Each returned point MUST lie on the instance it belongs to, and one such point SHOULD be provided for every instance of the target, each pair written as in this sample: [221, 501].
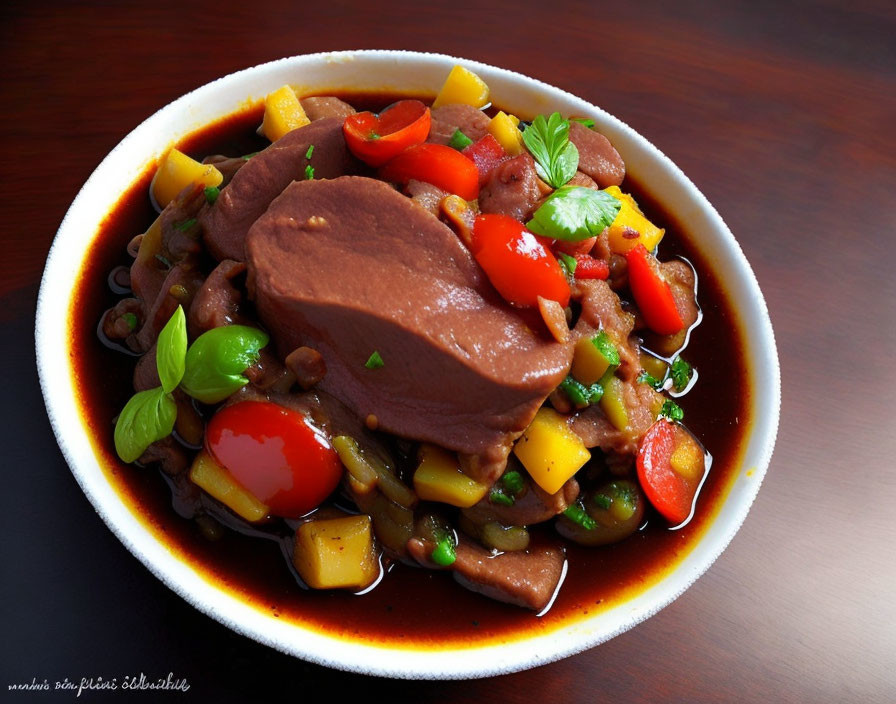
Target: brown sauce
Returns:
[413, 607]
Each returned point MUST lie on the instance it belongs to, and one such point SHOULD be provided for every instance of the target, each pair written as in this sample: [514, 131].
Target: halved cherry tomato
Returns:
[652, 293]
[437, 164]
[276, 454]
[671, 465]
[517, 264]
[375, 139]
[587, 267]
[486, 154]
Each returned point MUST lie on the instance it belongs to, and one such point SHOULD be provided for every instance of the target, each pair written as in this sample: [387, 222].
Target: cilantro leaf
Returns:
[672, 411]
[556, 158]
[574, 213]
[681, 374]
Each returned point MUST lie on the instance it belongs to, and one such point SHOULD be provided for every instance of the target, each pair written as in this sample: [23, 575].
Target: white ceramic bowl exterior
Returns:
[408, 73]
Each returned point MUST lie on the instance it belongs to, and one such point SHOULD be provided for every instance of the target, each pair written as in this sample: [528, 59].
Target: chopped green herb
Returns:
[606, 348]
[375, 361]
[580, 517]
[567, 262]
[459, 140]
[513, 482]
[444, 553]
[574, 213]
[186, 224]
[309, 172]
[310, 151]
[645, 378]
[556, 158]
[211, 194]
[497, 496]
[672, 411]
[681, 374]
[131, 320]
[579, 394]
[373, 136]
[249, 156]
[587, 121]
[603, 501]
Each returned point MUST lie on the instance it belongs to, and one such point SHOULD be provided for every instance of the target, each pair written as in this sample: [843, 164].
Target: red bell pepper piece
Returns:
[486, 153]
[375, 139]
[587, 267]
[519, 266]
[437, 164]
[652, 293]
[671, 493]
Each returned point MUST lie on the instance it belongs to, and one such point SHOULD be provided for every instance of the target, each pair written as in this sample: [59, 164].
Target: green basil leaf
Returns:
[171, 348]
[556, 158]
[149, 416]
[217, 359]
[574, 213]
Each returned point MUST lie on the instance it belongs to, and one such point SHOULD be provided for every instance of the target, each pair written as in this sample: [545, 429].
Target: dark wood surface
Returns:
[782, 113]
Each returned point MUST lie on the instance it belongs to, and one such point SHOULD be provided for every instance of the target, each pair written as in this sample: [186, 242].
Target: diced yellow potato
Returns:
[613, 404]
[439, 478]
[589, 364]
[217, 481]
[176, 172]
[503, 127]
[687, 459]
[336, 553]
[151, 243]
[628, 221]
[462, 86]
[654, 366]
[282, 113]
[550, 451]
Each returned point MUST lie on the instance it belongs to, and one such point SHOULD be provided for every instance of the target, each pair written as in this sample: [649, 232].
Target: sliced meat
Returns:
[533, 505]
[426, 195]
[146, 375]
[264, 177]
[526, 578]
[323, 107]
[456, 116]
[513, 188]
[217, 301]
[171, 456]
[461, 367]
[597, 157]
[178, 288]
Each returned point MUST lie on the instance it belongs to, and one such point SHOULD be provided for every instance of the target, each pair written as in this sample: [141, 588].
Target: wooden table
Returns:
[782, 113]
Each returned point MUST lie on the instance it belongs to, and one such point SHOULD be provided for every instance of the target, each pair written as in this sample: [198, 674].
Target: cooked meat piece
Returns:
[526, 578]
[512, 188]
[171, 456]
[326, 106]
[532, 505]
[597, 157]
[264, 177]
[601, 309]
[596, 430]
[449, 118]
[268, 374]
[426, 195]
[461, 368]
[582, 179]
[146, 375]
[308, 366]
[180, 238]
[116, 325]
[227, 165]
[217, 301]
[179, 287]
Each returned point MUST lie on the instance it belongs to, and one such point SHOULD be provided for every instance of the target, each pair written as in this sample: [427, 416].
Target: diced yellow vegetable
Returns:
[176, 172]
[336, 553]
[687, 459]
[503, 127]
[550, 451]
[588, 363]
[282, 113]
[217, 481]
[631, 220]
[613, 404]
[151, 243]
[462, 86]
[654, 366]
[439, 478]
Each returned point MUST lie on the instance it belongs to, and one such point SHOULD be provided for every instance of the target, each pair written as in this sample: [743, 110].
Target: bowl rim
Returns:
[54, 300]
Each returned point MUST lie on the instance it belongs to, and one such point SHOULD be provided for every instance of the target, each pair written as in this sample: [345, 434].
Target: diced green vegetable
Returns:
[672, 411]
[211, 194]
[444, 553]
[580, 517]
[375, 361]
[459, 140]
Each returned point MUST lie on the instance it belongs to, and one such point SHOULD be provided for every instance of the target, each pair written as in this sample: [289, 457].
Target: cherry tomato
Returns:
[438, 164]
[671, 466]
[517, 264]
[652, 293]
[276, 454]
[375, 139]
[486, 153]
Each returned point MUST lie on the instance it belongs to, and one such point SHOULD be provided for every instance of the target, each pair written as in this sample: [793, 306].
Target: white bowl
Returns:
[420, 73]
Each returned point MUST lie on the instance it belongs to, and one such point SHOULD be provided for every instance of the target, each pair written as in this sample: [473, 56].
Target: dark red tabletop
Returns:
[782, 113]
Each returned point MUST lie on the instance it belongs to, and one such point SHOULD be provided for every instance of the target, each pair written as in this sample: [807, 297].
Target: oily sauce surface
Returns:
[409, 606]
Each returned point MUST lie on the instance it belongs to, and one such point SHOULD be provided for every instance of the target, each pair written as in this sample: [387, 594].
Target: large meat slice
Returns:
[264, 177]
[350, 266]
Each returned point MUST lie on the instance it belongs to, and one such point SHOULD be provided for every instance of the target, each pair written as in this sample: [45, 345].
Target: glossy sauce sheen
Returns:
[413, 607]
